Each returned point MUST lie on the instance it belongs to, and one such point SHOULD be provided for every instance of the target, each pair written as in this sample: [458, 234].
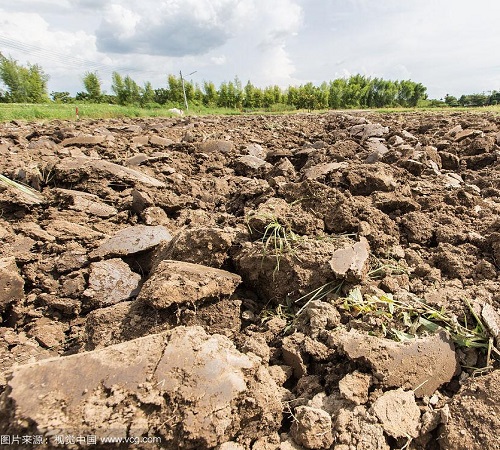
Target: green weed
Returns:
[288, 310]
[283, 311]
[47, 174]
[277, 238]
[416, 317]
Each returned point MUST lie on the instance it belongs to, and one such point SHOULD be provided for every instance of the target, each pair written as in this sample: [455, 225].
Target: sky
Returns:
[450, 46]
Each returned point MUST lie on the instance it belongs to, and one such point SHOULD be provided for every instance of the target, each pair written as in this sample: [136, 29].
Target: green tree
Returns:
[494, 98]
[223, 95]
[61, 97]
[268, 97]
[147, 94]
[336, 93]
[127, 91]
[132, 90]
[406, 92]
[311, 97]
[252, 96]
[161, 96]
[210, 94]
[198, 94]
[118, 87]
[237, 92]
[175, 93]
[92, 84]
[450, 100]
[419, 93]
[24, 84]
[292, 96]
[478, 99]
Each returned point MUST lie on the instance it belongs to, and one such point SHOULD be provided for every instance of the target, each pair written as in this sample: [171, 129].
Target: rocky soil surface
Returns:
[251, 283]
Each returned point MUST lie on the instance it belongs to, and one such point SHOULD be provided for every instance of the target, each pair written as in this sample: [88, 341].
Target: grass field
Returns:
[51, 111]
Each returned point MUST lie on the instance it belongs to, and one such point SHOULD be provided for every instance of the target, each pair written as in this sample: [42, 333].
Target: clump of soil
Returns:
[242, 282]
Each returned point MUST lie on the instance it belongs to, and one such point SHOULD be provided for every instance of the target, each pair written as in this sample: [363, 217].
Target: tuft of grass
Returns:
[277, 239]
[47, 174]
[417, 317]
[290, 311]
[283, 311]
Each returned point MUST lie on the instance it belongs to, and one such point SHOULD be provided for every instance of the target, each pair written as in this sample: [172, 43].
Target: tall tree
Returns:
[249, 96]
[175, 93]
[450, 100]
[419, 93]
[132, 91]
[92, 84]
[336, 93]
[223, 96]
[161, 96]
[210, 94]
[148, 94]
[127, 91]
[24, 84]
[118, 87]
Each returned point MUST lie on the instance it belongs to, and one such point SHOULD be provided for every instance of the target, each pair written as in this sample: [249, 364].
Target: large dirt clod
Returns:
[110, 282]
[398, 413]
[422, 364]
[312, 428]
[178, 282]
[192, 390]
[132, 240]
[351, 262]
[74, 168]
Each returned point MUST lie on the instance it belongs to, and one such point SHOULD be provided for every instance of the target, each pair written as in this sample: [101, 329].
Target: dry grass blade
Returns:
[319, 294]
[32, 194]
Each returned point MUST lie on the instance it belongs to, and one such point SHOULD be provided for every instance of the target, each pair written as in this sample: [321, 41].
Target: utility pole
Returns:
[184, 89]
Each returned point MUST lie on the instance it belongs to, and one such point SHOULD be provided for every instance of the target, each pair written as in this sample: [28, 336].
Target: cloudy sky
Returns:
[451, 46]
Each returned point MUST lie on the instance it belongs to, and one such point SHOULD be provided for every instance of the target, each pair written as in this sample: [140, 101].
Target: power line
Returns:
[66, 60]
[37, 51]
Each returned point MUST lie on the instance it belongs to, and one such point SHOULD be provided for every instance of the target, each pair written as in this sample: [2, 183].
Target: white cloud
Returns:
[218, 60]
[442, 44]
[451, 46]
[169, 28]
[194, 27]
[41, 5]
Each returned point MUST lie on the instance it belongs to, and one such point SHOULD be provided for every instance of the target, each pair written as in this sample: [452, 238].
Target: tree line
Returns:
[493, 98]
[355, 92]
[28, 84]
